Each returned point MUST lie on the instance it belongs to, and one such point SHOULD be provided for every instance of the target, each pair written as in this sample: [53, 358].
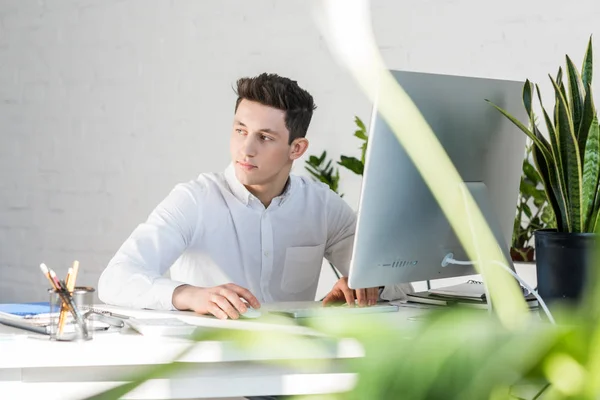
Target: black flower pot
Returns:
[564, 262]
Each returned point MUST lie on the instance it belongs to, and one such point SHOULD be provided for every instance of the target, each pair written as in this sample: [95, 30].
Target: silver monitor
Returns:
[402, 234]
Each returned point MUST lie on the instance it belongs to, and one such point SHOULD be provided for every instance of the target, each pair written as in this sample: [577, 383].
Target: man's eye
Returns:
[239, 131]
[266, 138]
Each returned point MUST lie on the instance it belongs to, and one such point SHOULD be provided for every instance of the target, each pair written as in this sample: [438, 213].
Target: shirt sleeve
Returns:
[341, 225]
[134, 276]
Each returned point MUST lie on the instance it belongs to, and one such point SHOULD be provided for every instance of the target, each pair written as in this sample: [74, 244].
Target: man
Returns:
[253, 233]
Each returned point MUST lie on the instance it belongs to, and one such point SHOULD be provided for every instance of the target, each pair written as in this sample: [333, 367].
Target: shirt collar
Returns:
[238, 190]
[243, 195]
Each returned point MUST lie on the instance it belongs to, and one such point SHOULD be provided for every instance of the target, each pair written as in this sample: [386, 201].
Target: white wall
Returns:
[105, 105]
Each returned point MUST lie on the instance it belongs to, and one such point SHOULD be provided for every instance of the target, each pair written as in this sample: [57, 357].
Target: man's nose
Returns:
[249, 146]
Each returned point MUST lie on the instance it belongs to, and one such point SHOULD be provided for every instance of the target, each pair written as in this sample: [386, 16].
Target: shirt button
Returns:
[266, 253]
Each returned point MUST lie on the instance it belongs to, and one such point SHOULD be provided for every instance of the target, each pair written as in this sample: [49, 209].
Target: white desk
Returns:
[31, 366]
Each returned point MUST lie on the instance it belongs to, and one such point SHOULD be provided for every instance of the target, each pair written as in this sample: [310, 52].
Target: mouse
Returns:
[250, 313]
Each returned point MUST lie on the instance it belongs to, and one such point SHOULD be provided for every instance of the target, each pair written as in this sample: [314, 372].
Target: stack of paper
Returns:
[471, 294]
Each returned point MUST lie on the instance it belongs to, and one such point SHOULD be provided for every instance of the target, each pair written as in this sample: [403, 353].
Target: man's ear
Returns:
[298, 148]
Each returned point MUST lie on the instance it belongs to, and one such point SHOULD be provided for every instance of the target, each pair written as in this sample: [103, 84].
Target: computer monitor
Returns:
[402, 234]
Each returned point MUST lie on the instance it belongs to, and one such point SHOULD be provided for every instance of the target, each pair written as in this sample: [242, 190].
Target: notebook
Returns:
[430, 298]
[35, 317]
[25, 309]
[469, 290]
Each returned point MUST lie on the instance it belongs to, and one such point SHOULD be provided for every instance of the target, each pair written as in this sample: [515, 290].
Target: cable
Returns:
[450, 260]
[334, 271]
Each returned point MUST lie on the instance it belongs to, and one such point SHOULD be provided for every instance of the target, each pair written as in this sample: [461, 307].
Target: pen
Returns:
[70, 284]
[109, 319]
[112, 314]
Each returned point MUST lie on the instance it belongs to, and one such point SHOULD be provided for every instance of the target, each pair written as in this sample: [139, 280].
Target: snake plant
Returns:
[568, 160]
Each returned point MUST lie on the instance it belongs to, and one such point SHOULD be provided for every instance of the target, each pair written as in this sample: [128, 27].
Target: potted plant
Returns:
[568, 162]
[533, 212]
[322, 169]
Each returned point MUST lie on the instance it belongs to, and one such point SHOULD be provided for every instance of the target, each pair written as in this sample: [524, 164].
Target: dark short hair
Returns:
[282, 93]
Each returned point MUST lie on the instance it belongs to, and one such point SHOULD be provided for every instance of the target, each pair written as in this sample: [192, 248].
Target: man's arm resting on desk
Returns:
[134, 276]
[224, 301]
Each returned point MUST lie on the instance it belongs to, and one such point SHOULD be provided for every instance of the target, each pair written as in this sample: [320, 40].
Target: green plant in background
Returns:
[322, 169]
[569, 162]
[352, 163]
[528, 221]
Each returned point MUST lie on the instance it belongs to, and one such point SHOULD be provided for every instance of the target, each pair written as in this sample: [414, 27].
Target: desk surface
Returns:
[34, 367]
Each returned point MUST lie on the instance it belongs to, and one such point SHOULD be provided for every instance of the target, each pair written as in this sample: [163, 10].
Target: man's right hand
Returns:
[224, 301]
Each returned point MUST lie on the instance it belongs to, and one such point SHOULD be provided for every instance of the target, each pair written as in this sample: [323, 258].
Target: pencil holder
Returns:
[69, 320]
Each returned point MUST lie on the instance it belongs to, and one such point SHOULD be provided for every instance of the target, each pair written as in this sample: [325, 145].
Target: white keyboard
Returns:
[160, 326]
[332, 311]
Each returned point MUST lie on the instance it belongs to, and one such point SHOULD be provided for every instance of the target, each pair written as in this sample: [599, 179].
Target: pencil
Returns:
[74, 274]
[70, 284]
[57, 282]
[69, 277]
[46, 272]
[63, 308]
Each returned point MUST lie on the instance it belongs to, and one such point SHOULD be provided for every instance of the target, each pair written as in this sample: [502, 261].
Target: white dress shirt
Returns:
[212, 231]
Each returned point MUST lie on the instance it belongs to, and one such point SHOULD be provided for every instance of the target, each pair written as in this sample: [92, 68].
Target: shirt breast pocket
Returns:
[301, 268]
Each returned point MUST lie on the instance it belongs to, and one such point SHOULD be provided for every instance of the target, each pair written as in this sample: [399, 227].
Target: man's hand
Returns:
[223, 301]
[342, 293]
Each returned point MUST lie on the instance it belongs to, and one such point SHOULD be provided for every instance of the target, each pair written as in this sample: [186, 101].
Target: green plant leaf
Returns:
[322, 158]
[591, 173]
[572, 162]
[352, 163]
[547, 217]
[560, 84]
[527, 100]
[577, 94]
[360, 124]
[528, 189]
[552, 189]
[313, 172]
[540, 142]
[546, 165]
[527, 210]
[560, 188]
[587, 68]
[550, 126]
[554, 142]
[314, 161]
[360, 135]
[595, 219]
[589, 111]
[531, 173]
[363, 152]
[328, 174]
[540, 195]
[539, 202]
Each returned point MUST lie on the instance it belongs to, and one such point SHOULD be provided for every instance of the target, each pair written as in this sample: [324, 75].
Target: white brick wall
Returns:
[106, 104]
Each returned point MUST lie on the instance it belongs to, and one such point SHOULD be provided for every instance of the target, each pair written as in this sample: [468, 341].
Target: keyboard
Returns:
[333, 311]
[160, 326]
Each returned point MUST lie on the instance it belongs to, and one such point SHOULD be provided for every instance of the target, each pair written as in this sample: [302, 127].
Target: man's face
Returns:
[259, 143]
